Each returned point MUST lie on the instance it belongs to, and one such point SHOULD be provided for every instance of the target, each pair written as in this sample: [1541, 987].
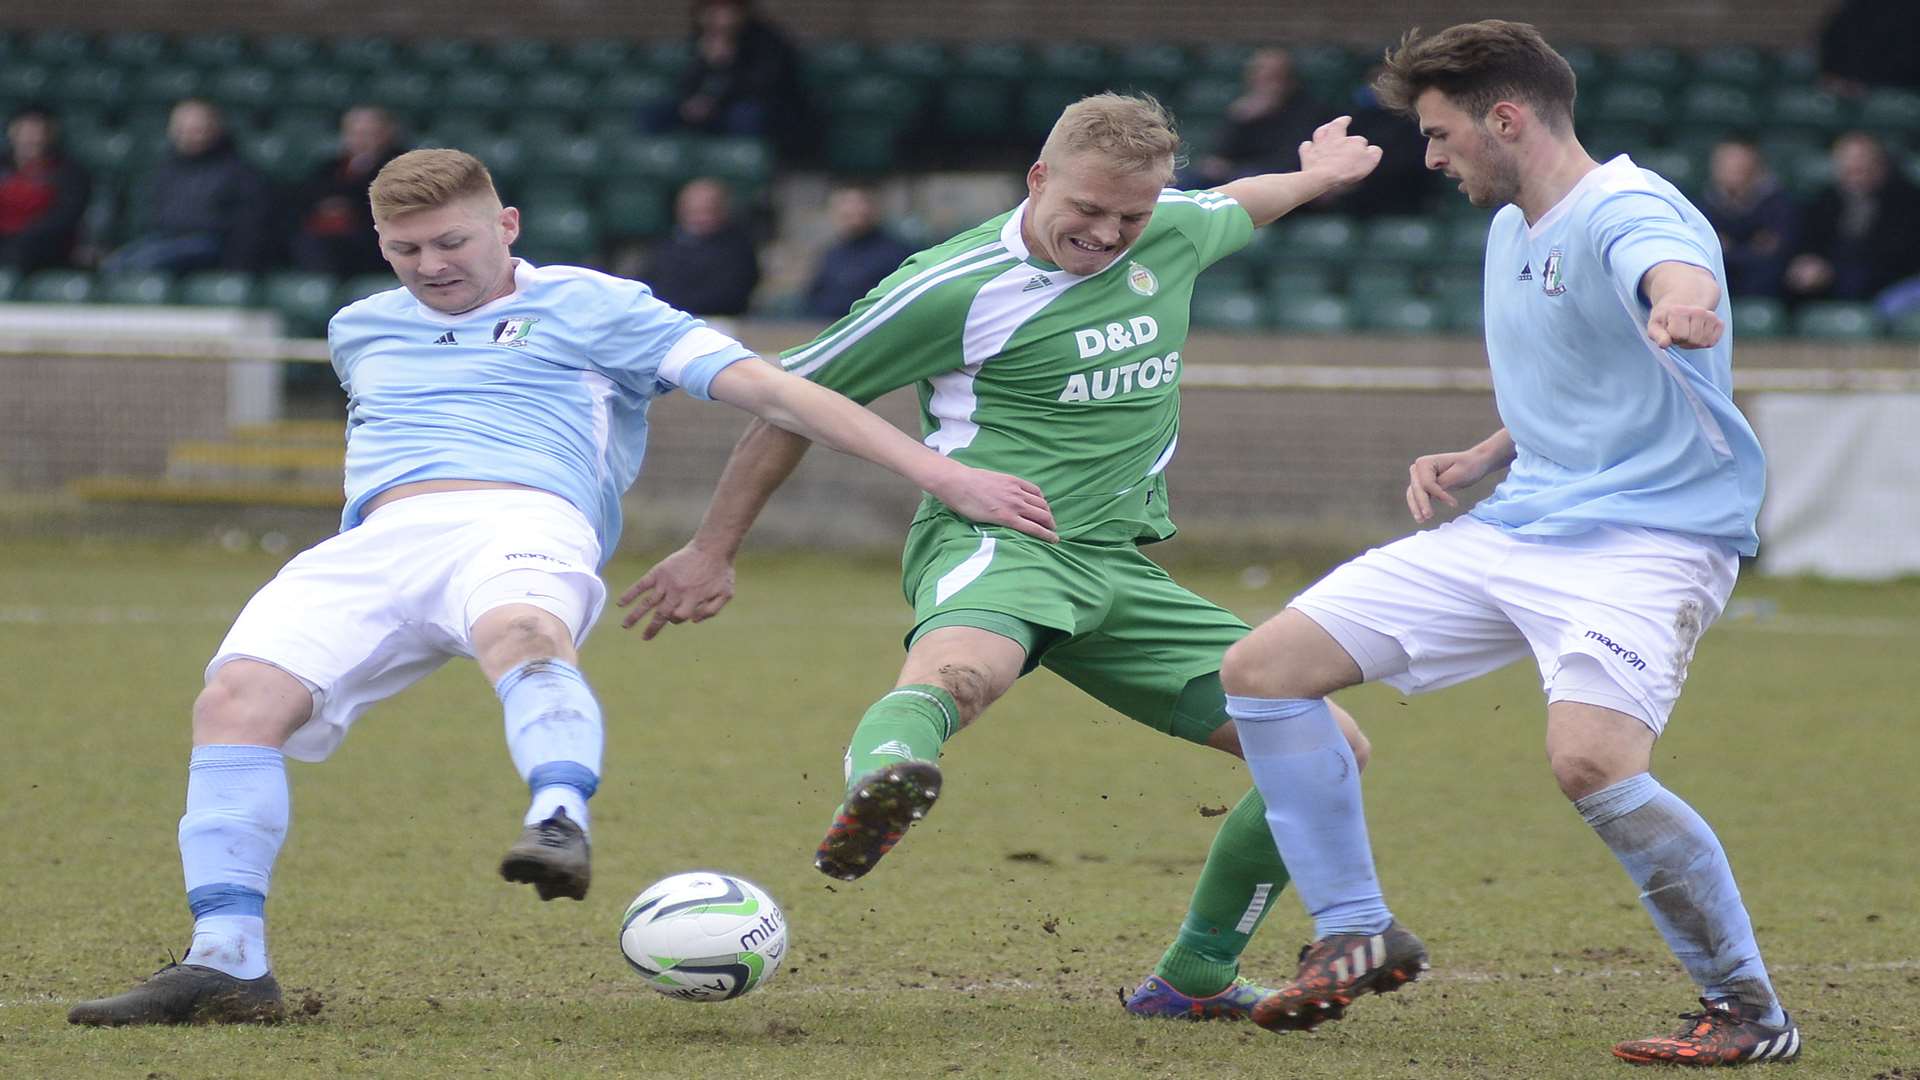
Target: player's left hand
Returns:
[1336, 157]
[996, 499]
[689, 585]
[1684, 326]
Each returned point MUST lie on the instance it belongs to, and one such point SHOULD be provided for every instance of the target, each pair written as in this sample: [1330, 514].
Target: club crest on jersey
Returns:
[1141, 280]
[512, 332]
[1551, 282]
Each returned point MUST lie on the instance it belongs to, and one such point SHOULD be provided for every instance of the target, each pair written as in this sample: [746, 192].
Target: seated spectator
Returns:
[1757, 221]
[863, 253]
[707, 265]
[203, 207]
[1869, 43]
[1402, 182]
[1862, 232]
[744, 78]
[333, 231]
[1265, 125]
[42, 195]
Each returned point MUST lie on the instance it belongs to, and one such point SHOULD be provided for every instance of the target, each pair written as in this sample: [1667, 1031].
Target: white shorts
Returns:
[366, 614]
[1611, 616]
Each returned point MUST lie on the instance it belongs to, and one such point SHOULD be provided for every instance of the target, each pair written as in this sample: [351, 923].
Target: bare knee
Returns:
[249, 703]
[1580, 774]
[971, 685]
[505, 638]
[1288, 656]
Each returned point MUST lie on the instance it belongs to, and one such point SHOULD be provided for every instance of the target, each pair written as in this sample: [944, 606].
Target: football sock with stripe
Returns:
[908, 723]
[1305, 770]
[1236, 889]
[236, 820]
[555, 735]
[1686, 884]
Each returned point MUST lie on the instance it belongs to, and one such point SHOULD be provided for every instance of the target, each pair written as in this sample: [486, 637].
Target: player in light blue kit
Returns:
[496, 412]
[1612, 543]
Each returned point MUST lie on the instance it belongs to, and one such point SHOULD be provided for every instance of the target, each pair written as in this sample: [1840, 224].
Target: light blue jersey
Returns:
[1609, 429]
[547, 386]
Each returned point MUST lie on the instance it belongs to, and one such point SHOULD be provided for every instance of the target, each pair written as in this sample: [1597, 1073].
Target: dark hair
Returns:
[1477, 66]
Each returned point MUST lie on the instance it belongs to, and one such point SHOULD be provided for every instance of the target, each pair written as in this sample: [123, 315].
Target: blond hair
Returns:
[1133, 131]
[427, 179]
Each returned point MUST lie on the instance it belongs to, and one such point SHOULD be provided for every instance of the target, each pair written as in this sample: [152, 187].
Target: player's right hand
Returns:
[689, 585]
[997, 499]
[1436, 476]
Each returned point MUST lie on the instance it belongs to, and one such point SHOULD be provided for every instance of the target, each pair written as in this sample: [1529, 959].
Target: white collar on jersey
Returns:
[1609, 170]
[1010, 236]
[520, 269]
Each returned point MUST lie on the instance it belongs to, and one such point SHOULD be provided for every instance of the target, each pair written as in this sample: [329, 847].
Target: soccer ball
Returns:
[704, 936]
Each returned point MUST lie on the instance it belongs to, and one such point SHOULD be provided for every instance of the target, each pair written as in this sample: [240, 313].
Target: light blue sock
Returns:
[236, 819]
[1306, 772]
[555, 736]
[1686, 885]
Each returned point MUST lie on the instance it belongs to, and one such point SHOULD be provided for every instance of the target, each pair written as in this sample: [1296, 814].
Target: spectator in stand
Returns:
[707, 265]
[1862, 232]
[744, 78]
[333, 231]
[1265, 125]
[1869, 43]
[1757, 221]
[42, 195]
[863, 252]
[203, 207]
[1402, 182]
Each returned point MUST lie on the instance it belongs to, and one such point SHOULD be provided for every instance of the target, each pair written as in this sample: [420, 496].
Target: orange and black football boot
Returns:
[1338, 968]
[879, 809]
[1728, 1032]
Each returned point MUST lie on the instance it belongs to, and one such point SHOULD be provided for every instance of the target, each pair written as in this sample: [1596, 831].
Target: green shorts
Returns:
[1104, 617]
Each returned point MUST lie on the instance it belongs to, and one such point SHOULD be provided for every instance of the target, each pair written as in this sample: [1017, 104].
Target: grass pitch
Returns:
[996, 940]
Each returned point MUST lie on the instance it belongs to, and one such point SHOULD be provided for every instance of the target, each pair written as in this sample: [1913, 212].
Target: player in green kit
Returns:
[1045, 343]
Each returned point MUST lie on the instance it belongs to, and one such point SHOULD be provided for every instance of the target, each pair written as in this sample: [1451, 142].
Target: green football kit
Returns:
[1071, 383]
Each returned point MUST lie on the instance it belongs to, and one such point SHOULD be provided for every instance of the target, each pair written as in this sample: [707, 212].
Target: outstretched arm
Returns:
[1683, 297]
[1332, 159]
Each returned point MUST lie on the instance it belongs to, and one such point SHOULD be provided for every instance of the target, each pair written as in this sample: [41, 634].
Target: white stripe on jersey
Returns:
[813, 357]
[1709, 427]
[1205, 200]
[600, 390]
[964, 575]
[999, 310]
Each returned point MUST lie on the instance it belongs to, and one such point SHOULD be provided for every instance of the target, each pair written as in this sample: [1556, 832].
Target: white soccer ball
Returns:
[704, 936]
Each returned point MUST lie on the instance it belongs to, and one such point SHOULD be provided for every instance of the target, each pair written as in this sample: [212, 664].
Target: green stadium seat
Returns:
[863, 144]
[1326, 238]
[635, 208]
[1329, 71]
[147, 287]
[745, 163]
[1286, 278]
[668, 56]
[523, 54]
[445, 55]
[1412, 240]
[1803, 107]
[1836, 320]
[628, 92]
[1804, 170]
[219, 288]
[918, 59]
[1733, 65]
[1073, 63]
[1680, 167]
[1218, 306]
[1039, 106]
[975, 107]
[664, 158]
[399, 89]
[559, 233]
[505, 156]
[1891, 112]
[1370, 282]
[1906, 326]
[1239, 270]
[548, 191]
[9, 283]
[992, 60]
[213, 51]
[1719, 105]
[1631, 105]
[1402, 315]
[91, 85]
[1206, 97]
[1307, 313]
[597, 56]
[1466, 240]
[106, 154]
[549, 92]
[244, 87]
[285, 157]
[1799, 65]
[1589, 67]
[364, 53]
[289, 52]
[1650, 65]
[1758, 317]
[875, 97]
[57, 287]
[829, 63]
[22, 82]
[1460, 291]
[133, 49]
[479, 89]
[1467, 318]
[57, 47]
[459, 131]
[304, 301]
[332, 89]
[1157, 68]
[169, 82]
[1222, 60]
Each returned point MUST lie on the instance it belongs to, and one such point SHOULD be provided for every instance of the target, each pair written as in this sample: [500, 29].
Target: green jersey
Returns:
[1070, 382]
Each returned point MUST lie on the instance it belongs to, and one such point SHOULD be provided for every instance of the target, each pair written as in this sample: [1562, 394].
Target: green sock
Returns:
[1237, 887]
[907, 724]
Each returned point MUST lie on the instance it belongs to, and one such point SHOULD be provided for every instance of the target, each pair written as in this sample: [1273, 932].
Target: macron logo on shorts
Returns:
[1621, 651]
